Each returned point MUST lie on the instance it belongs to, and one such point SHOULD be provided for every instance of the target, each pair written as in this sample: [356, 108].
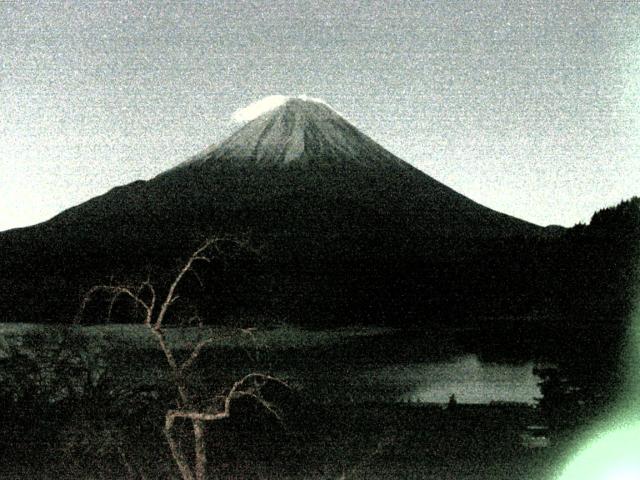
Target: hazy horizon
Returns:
[528, 108]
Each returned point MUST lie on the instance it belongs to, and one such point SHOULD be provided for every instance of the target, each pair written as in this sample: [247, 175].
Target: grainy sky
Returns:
[529, 108]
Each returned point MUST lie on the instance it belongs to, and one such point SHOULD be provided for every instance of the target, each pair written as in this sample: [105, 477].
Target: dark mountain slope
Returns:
[329, 207]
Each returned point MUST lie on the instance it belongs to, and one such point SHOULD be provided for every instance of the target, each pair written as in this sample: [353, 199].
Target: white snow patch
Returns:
[312, 99]
[267, 104]
[255, 109]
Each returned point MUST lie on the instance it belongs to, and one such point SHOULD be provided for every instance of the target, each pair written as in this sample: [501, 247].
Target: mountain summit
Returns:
[302, 133]
[299, 133]
[335, 215]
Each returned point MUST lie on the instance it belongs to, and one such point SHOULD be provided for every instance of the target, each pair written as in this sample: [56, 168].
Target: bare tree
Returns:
[155, 311]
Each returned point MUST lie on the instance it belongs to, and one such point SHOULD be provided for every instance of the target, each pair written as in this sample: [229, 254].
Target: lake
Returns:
[357, 364]
[413, 367]
[469, 379]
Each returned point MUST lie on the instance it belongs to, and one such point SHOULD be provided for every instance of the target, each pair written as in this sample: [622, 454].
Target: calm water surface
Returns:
[470, 380]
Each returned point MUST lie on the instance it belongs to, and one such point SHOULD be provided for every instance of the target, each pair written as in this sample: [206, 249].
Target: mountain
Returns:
[195, 159]
[303, 134]
[335, 215]
[301, 155]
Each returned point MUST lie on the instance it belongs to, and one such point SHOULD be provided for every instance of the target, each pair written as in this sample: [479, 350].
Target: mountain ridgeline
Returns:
[344, 231]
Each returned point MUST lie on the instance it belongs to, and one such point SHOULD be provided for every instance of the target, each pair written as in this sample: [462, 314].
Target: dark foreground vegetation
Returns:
[330, 442]
[101, 414]
[90, 402]
[77, 405]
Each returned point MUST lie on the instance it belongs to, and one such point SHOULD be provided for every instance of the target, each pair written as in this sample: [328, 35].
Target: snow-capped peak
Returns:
[267, 104]
[283, 131]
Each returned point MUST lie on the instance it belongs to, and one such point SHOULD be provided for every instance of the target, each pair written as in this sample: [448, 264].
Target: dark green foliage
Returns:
[597, 279]
[598, 265]
[562, 403]
[44, 368]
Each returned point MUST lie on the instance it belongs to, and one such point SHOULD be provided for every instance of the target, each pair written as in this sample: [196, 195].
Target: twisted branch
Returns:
[249, 386]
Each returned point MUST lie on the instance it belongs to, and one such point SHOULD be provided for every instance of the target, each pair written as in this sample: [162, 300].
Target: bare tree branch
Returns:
[149, 286]
[175, 370]
[248, 386]
[111, 304]
[195, 274]
[197, 255]
[116, 291]
[234, 394]
[199, 417]
[200, 449]
[188, 363]
[176, 451]
[194, 415]
[270, 407]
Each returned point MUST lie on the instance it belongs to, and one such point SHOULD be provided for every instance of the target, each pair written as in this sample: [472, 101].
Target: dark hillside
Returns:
[346, 232]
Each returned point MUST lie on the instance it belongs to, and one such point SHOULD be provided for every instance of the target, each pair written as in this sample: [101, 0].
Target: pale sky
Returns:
[530, 108]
